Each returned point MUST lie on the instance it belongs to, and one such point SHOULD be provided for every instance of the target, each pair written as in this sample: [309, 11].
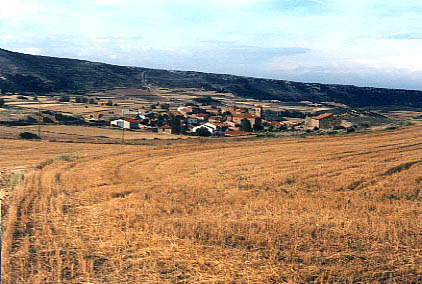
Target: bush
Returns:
[81, 100]
[245, 125]
[28, 136]
[203, 131]
[64, 98]
[47, 120]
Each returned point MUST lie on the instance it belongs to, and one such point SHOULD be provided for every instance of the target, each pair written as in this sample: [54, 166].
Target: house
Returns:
[213, 128]
[214, 118]
[238, 117]
[322, 121]
[202, 116]
[165, 129]
[240, 110]
[191, 120]
[127, 123]
[259, 110]
[275, 123]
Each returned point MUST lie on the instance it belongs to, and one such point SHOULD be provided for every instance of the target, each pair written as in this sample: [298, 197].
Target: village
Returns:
[162, 113]
[217, 121]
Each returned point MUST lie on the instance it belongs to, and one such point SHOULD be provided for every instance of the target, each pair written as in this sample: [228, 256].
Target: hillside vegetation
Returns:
[24, 73]
[316, 210]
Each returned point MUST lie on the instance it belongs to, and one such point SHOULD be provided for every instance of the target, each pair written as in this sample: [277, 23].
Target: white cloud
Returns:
[31, 50]
[334, 36]
[17, 10]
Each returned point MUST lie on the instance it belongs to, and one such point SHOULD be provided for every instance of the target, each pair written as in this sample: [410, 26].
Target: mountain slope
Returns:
[40, 74]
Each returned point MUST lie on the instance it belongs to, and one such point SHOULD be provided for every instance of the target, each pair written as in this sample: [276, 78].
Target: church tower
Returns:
[258, 111]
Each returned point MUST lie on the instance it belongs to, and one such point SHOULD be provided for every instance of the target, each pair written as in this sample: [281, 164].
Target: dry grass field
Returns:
[22, 153]
[102, 132]
[343, 209]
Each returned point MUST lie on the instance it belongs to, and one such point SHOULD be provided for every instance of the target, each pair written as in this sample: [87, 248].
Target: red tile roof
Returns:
[165, 127]
[275, 123]
[244, 115]
[321, 116]
[130, 120]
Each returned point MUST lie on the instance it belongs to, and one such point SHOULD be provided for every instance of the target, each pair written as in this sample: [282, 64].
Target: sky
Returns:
[374, 43]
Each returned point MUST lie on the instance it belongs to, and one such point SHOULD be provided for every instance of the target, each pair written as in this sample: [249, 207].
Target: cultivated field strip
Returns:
[343, 209]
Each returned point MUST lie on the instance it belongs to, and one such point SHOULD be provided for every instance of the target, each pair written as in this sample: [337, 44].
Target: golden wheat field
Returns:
[343, 209]
[102, 132]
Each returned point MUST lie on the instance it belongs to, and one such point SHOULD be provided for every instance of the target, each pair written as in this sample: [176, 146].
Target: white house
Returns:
[127, 123]
[212, 127]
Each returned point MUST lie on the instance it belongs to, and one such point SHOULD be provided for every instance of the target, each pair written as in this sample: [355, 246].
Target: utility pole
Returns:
[39, 118]
[123, 132]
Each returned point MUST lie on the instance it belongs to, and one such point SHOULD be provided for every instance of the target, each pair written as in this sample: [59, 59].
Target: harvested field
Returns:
[344, 209]
[102, 132]
[21, 153]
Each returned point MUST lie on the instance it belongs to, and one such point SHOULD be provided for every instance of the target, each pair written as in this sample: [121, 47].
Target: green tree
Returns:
[64, 98]
[257, 127]
[203, 131]
[245, 125]
[176, 124]
[81, 100]
[28, 135]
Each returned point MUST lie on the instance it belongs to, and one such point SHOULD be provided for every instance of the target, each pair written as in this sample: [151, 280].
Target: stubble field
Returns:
[344, 209]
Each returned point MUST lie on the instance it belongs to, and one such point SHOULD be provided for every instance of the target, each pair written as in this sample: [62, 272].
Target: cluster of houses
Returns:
[190, 119]
[195, 120]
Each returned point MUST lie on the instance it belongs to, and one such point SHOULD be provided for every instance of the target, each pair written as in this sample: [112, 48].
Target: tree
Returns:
[91, 101]
[81, 100]
[257, 127]
[28, 135]
[175, 123]
[245, 125]
[109, 103]
[203, 131]
[64, 98]
[1, 102]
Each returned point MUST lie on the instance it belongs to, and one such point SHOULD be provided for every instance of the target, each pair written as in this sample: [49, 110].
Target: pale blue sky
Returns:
[361, 42]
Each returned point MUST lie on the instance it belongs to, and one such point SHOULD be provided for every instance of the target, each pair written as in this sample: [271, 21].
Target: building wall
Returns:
[324, 123]
[253, 121]
[328, 122]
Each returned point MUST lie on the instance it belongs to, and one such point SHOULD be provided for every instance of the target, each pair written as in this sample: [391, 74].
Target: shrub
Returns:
[245, 125]
[81, 100]
[28, 136]
[203, 131]
[64, 98]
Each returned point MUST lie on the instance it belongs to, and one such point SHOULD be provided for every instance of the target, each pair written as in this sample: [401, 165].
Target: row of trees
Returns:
[84, 100]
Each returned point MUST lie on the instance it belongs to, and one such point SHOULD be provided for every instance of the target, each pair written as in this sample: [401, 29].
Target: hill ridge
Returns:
[25, 73]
